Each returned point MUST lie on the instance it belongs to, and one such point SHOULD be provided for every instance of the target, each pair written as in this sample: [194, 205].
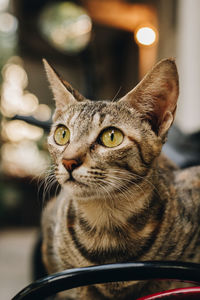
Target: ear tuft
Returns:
[155, 97]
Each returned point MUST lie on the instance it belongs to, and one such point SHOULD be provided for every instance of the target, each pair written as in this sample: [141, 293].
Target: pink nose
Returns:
[70, 164]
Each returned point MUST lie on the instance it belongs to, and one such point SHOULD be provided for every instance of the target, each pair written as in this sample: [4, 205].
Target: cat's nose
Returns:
[70, 164]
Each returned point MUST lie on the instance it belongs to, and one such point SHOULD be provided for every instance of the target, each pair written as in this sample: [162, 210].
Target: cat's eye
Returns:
[111, 137]
[62, 135]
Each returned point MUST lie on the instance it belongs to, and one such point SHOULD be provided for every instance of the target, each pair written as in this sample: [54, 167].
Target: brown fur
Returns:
[125, 203]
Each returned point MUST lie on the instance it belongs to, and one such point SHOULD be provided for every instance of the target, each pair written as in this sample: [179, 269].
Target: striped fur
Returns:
[125, 203]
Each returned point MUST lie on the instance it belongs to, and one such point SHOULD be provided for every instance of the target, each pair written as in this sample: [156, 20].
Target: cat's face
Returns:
[110, 142]
[103, 148]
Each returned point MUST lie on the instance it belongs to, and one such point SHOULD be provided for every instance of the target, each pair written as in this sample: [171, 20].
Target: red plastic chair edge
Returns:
[189, 291]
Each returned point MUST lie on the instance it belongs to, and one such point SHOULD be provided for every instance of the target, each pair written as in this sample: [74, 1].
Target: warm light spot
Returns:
[10, 99]
[82, 26]
[14, 100]
[23, 159]
[146, 36]
[29, 104]
[43, 113]
[17, 130]
[15, 75]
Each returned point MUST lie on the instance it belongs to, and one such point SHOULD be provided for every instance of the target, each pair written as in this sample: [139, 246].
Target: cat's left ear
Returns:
[63, 92]
[155, 97]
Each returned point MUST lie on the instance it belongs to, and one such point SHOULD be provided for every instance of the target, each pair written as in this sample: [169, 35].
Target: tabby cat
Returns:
[120, 199]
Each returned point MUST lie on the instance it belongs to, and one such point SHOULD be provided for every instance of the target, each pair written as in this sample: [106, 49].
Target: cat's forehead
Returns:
[86, 119]
[96, 112]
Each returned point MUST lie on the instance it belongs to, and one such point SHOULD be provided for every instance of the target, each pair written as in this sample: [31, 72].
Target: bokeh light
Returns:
[4, 4]
[42, 113]
[8, 23]
[66, 26]
[21, 155]
[29, 104]
[14, 99]
[15, 75]
[23, 159]
[17, 130]
[146, 36]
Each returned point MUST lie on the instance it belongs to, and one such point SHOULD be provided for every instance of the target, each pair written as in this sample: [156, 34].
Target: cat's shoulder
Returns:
[189, 177]
[165, 164]
[182, 179]
[187, 185]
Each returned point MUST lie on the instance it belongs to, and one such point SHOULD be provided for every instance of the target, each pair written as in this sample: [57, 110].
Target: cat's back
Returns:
[187, 186]
[185, 181]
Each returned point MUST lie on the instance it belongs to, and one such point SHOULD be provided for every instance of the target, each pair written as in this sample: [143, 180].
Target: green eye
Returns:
[62, 135]
[111, 137]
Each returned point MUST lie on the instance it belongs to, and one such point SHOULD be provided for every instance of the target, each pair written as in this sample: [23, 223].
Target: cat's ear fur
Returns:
[155, 97]
[63, 92]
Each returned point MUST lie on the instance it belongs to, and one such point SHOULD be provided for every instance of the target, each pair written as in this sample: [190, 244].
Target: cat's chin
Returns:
[75, 184]
[89, 191]
[80, 190]
[76, 187]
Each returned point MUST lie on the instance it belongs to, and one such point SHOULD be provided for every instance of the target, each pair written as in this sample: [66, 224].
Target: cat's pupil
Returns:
[112, 136]
[64, 134]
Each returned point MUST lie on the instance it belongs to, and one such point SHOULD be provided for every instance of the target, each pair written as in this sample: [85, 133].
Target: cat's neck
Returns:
[108, 212]
[116, 209]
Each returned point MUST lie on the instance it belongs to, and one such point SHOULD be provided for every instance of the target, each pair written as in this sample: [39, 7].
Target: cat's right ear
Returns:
[63, 92]
[155, 97]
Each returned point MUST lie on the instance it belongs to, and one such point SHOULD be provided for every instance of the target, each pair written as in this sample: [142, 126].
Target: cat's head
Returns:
[102, 148]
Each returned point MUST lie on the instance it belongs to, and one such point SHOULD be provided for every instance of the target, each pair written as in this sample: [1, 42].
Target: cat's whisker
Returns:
[135, 176]
[48, 172]
[119, 179]
[49, 181]
[123, 189]
[47, 190]
[147, 181]
[106, 191]
[115, 97]
[116, 186]
[57, 188]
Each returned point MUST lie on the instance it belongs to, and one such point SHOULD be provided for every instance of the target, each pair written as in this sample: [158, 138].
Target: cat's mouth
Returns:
[71, 178]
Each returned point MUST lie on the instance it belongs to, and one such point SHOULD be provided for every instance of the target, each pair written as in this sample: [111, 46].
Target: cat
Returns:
[121, 200]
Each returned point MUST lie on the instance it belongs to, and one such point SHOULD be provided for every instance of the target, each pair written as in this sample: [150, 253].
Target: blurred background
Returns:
[103, 48]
